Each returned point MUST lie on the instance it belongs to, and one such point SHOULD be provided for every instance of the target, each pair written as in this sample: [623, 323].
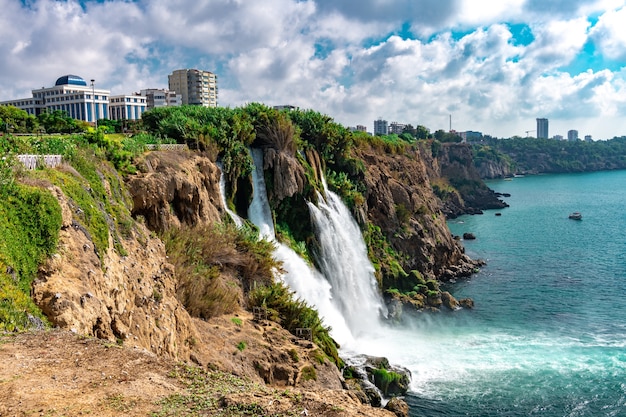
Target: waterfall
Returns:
[259, 211]
[308, 284]
[344, 262]
[238, 221]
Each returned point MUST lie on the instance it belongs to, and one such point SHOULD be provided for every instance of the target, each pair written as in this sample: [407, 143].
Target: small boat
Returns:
[575, 216]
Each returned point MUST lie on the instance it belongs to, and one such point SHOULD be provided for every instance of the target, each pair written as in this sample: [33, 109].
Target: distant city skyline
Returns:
[494, 65]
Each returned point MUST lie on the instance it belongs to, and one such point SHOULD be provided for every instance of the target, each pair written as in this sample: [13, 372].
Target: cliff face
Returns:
[489, 169]
[454, 164]
[129, 299]
[401, 202]
[175, 189]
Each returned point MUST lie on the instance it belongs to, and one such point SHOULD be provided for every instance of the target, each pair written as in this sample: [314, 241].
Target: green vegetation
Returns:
[292, 313]
[383, 379]
[552, 156]
[216, 264]
[308, 373]
[30, 220]
[241, 346]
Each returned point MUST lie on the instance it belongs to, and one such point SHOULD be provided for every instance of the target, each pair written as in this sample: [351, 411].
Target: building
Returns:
[471, 136]
[396, 128]
[285, 107]
[557, 137]
[542, 129]
[127, 107]
[196, 87]
[588, 138]
[381, 127]
[361, 128]
[572, 135]
[161, 97]
[70, 94]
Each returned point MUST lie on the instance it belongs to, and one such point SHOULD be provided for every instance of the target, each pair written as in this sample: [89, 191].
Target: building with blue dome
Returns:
[70, 94]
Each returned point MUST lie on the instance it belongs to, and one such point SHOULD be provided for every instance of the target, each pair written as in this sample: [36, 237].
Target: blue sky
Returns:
[493, 65]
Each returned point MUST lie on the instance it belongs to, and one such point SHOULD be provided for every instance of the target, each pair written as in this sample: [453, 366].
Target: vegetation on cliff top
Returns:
[530, 155]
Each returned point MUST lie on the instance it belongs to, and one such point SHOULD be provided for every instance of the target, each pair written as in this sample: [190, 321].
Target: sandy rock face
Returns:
[129, 299]
[176, 188]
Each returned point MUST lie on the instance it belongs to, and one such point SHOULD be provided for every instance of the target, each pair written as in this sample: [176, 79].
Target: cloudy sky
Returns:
[492, 65]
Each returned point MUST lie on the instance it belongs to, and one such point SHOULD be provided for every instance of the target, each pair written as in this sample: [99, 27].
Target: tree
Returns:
[16, 120]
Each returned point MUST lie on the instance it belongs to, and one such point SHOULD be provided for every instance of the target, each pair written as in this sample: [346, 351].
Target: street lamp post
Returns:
[93, 96]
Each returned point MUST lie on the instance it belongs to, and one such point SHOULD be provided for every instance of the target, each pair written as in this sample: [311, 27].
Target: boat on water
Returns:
[576, 216]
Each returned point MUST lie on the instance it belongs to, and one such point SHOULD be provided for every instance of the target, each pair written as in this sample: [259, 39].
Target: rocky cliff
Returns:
[130, 299]
[453, 165]
[129, 293]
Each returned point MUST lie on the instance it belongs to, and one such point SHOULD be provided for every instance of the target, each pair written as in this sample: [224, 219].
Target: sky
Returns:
[492, 66]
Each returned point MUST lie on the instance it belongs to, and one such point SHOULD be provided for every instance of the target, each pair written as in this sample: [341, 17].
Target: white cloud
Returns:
[338, 57]
[610, 34]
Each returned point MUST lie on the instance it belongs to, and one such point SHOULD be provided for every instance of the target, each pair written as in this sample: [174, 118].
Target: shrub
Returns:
[293, 313]
[215, 263]
[384, 378]
[308, 373]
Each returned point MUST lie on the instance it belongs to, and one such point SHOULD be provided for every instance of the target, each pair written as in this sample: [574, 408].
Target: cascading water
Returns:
[238, 221]
[305, 281]
[343, 261]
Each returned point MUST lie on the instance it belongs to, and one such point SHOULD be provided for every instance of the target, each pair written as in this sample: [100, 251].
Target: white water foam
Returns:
[308, 284]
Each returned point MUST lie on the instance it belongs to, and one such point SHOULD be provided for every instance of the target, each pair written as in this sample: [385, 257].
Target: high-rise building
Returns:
[381, 127]
[572, 135]
[196, 87]
[542, 129]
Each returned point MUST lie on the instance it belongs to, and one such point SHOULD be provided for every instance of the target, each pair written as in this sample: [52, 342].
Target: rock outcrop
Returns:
[454, 164]
[175, 188]
[400, 200]
[126, 299]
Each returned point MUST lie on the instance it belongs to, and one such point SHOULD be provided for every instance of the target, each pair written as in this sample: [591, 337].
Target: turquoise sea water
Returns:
[548, 334]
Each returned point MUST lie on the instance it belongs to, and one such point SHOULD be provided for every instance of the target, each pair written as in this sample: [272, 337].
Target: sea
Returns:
[547, 336]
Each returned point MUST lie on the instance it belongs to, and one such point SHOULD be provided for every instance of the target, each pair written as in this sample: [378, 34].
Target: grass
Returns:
[203, 390]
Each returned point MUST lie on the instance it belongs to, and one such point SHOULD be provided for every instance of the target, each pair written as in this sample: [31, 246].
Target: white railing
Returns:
[34, 161]
[166, 147]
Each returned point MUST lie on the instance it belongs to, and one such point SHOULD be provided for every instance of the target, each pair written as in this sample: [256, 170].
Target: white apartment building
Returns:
[572, 135]
[161, 97]
[196, 87]
[396, 128]
[70, 94]
[127, 107]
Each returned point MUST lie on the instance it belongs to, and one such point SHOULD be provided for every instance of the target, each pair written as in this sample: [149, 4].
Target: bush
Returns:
[215, 264]
[292, 313]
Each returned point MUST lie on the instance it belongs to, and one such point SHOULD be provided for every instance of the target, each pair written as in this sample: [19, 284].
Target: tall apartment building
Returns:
[196, 87]
[381, 127]
[70, 94]
[572, 135]
[542, 129]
